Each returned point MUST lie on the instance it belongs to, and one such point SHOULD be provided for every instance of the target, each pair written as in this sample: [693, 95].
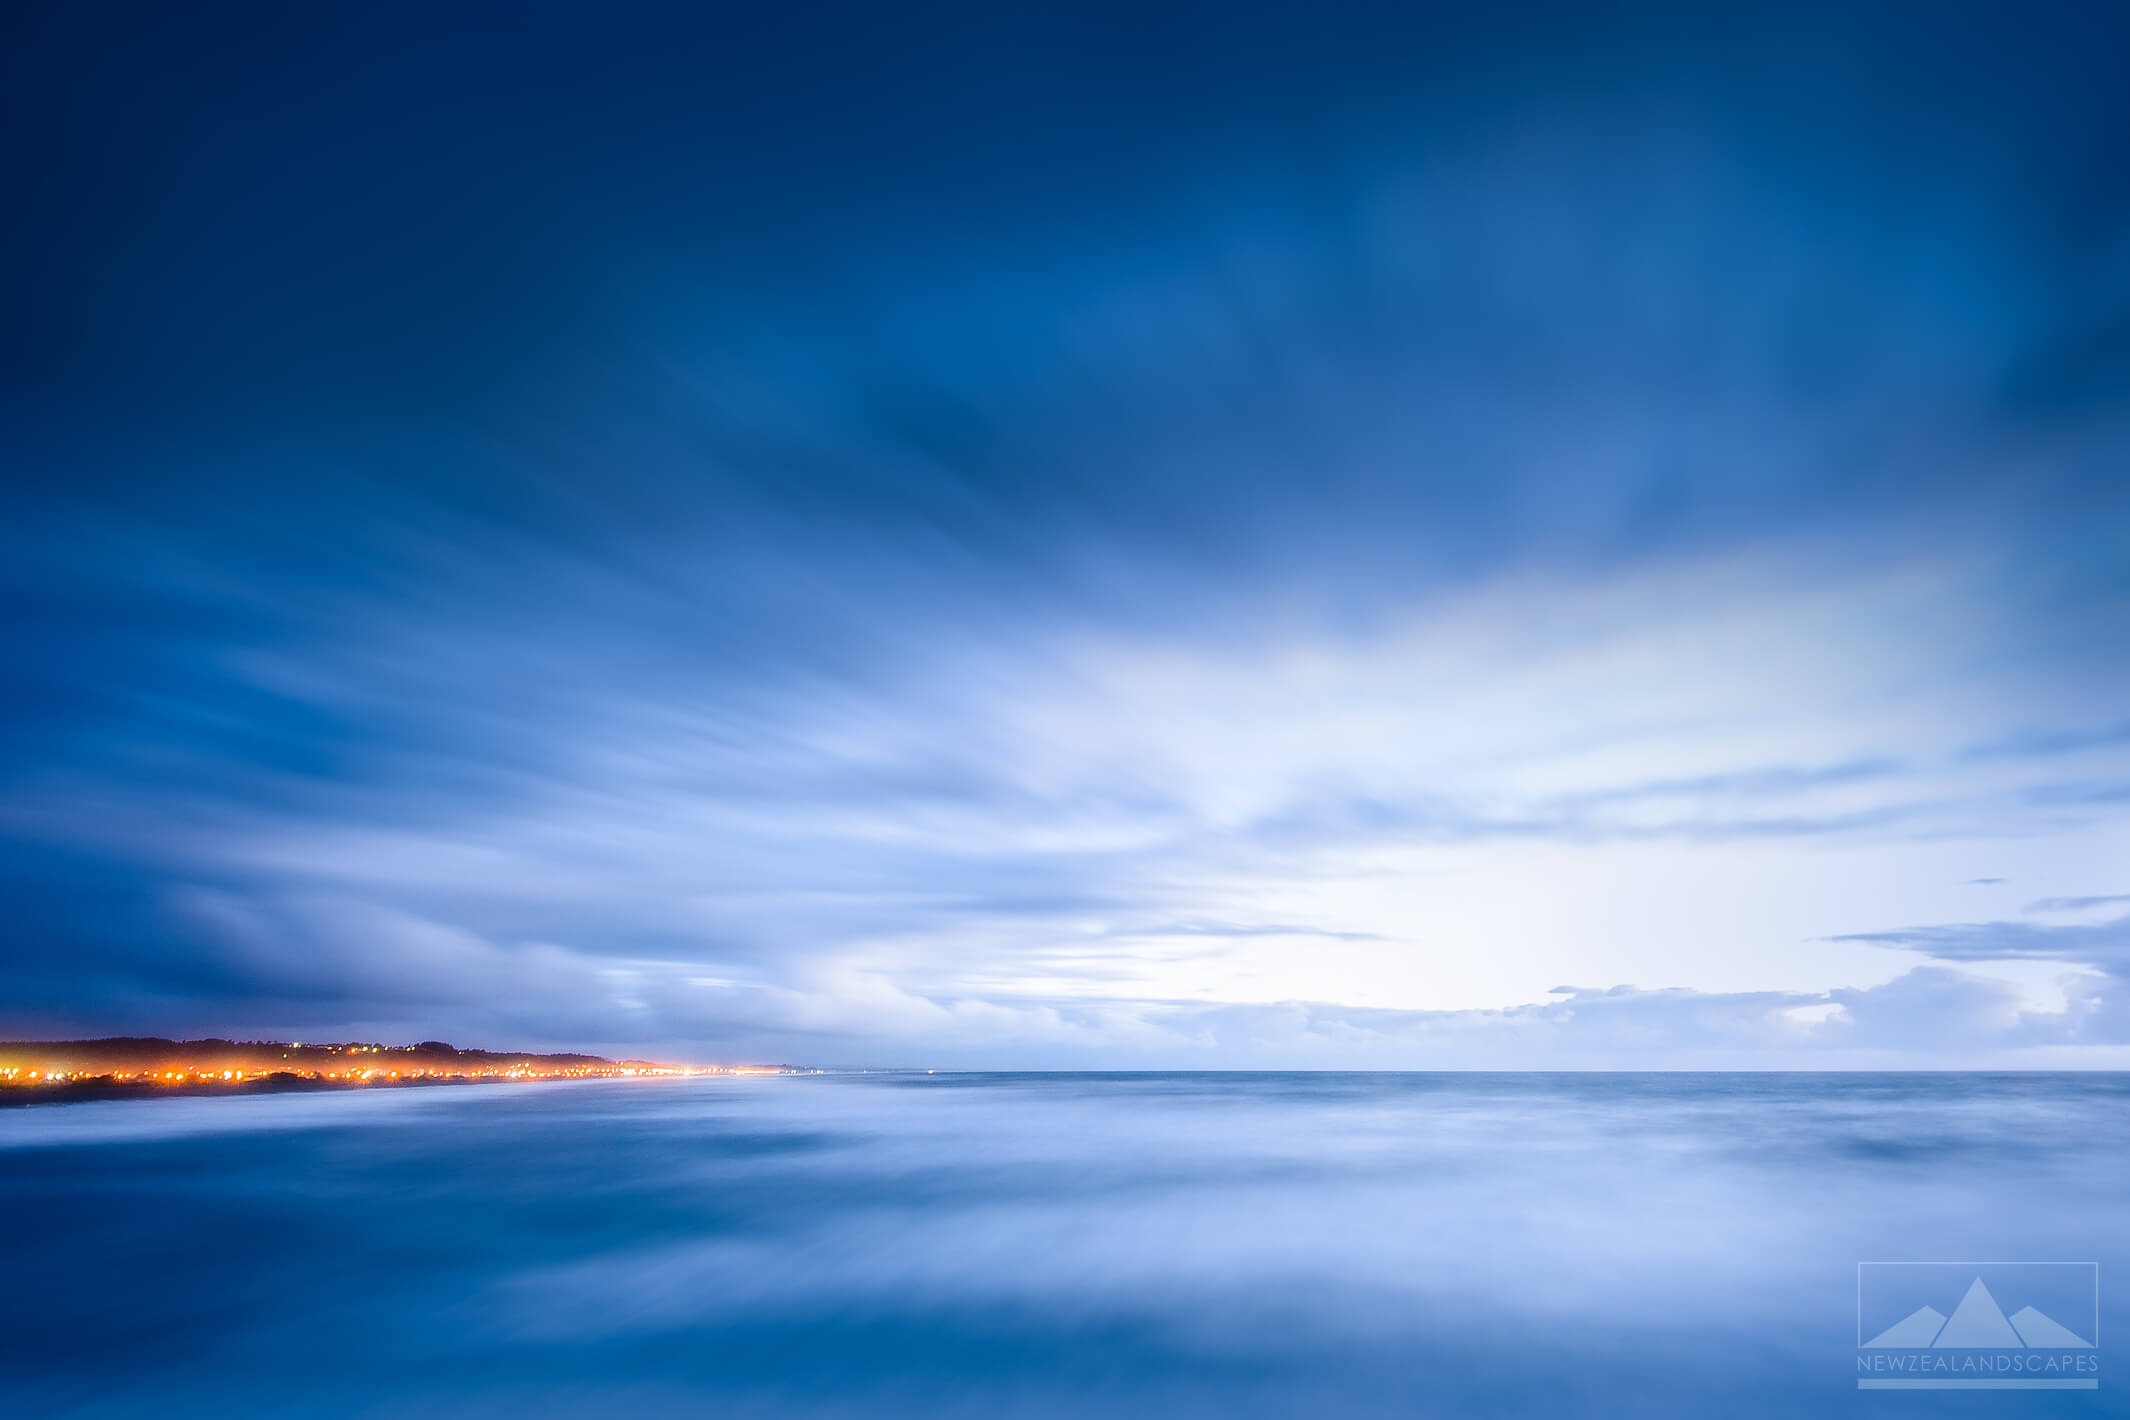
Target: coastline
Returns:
[79, 1092]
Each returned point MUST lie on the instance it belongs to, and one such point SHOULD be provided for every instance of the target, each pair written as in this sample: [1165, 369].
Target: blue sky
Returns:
[1075, 537]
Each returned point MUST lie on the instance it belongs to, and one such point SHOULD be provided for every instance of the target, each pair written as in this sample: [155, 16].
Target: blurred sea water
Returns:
[1231, 1245]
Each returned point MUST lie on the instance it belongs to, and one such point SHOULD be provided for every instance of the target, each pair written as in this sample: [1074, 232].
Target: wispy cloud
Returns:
[2076, 904]
[933, 563]
[2102, 944]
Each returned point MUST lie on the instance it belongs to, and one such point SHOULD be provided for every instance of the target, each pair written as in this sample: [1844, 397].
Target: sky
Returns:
[1098, 536]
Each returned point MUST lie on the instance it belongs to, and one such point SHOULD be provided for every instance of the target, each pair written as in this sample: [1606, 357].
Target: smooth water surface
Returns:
[1032, 1245]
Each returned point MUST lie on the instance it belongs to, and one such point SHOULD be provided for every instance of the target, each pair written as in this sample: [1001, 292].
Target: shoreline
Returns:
[72, 1092]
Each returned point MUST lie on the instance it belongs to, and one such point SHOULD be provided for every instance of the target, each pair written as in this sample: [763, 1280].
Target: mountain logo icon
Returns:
[1978, 1323]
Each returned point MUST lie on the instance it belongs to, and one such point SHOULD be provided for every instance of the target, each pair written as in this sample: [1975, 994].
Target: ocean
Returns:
[1232, 1245]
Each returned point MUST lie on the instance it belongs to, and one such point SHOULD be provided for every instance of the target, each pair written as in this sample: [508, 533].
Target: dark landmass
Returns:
[122, 1067]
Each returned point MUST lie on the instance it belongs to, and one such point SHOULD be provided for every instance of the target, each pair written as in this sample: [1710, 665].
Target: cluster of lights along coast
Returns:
[128, 1066]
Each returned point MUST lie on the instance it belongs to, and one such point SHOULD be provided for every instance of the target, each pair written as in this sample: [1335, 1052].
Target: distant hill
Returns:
[152, 1052]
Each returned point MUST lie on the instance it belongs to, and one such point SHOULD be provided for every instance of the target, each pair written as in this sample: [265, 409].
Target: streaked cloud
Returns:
[962, 569]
